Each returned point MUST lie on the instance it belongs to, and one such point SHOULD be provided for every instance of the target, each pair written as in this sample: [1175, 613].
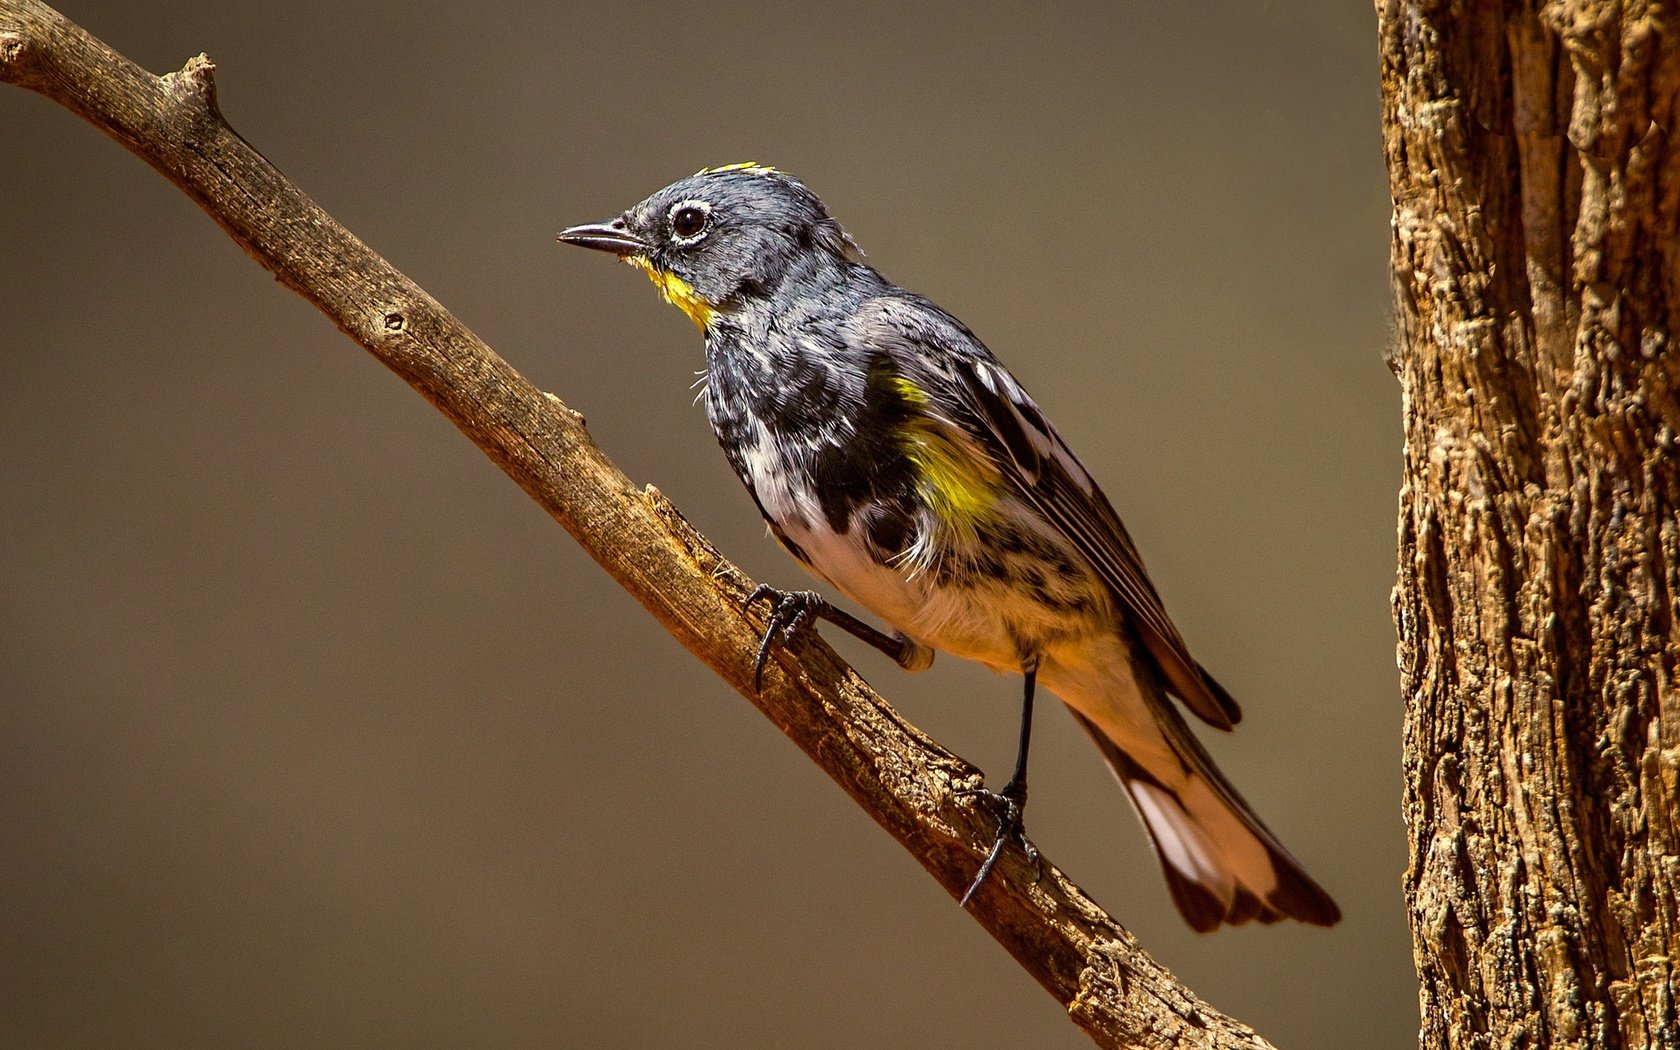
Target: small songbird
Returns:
[896, 458]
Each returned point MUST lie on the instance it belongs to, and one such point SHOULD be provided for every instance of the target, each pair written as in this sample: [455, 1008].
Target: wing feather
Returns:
[939, 351]
[1060, 488]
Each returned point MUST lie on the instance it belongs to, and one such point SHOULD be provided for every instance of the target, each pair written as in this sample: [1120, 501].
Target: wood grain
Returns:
[1536, 255]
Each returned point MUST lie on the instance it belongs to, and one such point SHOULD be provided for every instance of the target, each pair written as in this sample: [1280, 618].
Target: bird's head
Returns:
[720, 236]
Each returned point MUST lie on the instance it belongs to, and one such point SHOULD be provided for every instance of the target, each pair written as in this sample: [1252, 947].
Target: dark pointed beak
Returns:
[611, 236]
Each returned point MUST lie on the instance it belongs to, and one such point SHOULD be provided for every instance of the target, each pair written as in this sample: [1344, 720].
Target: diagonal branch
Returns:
[905, 781]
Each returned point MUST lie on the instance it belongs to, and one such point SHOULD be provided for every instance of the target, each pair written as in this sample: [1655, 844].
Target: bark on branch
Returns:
[905, 781]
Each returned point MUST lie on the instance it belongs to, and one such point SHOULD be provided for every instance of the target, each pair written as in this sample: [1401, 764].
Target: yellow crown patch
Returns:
[746, 167]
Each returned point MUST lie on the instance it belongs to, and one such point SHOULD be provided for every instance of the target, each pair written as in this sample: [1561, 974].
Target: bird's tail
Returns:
[1222, 864]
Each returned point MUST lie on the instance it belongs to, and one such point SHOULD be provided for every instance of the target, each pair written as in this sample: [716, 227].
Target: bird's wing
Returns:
[938, 351]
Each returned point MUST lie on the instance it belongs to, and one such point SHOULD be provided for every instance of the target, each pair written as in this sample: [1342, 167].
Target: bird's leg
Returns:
[1013, 797]
[793, 612]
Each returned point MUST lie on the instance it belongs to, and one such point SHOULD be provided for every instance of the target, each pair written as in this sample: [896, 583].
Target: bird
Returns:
[897, 459]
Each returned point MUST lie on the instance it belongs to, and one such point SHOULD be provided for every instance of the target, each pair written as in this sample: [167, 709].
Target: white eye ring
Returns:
[687, 211]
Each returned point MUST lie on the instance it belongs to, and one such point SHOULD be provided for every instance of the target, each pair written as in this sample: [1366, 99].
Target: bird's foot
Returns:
[791, 613]
[1012, 804]
[794, 612]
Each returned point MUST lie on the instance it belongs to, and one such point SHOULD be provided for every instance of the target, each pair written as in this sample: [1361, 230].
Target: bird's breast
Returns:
[897, 512]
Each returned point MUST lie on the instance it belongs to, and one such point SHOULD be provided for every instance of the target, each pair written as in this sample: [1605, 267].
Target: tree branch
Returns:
[905, 781]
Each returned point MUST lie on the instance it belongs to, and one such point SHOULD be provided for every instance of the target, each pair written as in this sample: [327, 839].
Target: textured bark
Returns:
[1110, 986]
[1536, 255]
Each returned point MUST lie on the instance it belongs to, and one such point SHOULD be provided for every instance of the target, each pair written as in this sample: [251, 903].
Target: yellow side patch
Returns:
[676, 291]
[959, 482]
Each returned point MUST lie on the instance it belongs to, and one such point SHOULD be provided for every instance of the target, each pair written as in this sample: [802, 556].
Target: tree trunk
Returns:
[1536, 255]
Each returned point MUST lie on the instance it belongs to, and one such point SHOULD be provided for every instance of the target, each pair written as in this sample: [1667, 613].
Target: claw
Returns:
[1013, 800]
[790, 614]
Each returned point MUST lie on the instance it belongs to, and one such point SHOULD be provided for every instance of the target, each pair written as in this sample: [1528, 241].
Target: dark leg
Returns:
[795, 611]
[1014, 793]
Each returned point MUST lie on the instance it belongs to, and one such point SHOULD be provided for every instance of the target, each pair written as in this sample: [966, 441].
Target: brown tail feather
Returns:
[1205, 884]
[1226, 702]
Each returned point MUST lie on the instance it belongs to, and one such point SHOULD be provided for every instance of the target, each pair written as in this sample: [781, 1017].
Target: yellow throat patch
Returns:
[676, 291]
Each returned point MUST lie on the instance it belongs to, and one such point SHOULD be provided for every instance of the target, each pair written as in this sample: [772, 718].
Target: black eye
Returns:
[687, 221]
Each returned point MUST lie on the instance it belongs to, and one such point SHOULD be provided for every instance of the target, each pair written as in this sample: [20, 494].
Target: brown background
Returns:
[316, 732]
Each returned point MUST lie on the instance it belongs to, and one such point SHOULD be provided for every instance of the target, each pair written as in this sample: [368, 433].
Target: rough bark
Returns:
[1536, 255]
[905, 781]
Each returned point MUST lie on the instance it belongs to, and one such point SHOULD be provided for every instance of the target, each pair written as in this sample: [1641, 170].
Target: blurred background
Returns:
[314, 731]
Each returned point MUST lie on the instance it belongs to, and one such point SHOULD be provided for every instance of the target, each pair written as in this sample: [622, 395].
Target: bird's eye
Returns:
[688, 221]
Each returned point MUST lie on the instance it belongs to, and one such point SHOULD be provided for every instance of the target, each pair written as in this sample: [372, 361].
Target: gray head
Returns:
[721, 234]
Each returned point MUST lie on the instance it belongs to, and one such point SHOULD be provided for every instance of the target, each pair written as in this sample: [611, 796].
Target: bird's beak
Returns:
[611, 236]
